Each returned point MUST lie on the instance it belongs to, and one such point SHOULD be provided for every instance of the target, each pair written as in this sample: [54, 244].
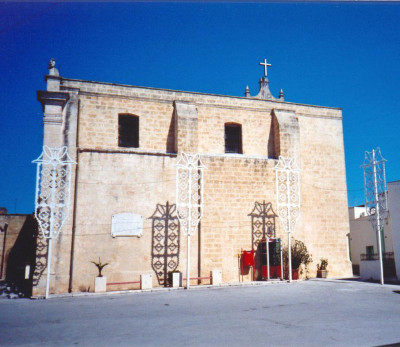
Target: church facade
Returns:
[126, 141]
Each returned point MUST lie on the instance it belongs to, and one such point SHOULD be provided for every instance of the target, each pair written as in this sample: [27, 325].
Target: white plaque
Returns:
[127, 224]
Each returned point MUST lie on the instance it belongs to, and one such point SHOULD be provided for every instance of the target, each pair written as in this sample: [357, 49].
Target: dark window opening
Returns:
[370, 253]
[370, 249]
[128, 131]
[233, 138]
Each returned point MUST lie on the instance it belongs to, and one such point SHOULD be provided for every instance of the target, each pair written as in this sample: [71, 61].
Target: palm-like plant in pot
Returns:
[100, 284]
[99, 266]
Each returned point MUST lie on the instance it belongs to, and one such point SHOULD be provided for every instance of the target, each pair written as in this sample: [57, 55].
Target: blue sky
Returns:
[330, 54]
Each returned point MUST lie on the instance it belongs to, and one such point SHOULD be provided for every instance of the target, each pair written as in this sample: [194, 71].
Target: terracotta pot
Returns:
[322, 273]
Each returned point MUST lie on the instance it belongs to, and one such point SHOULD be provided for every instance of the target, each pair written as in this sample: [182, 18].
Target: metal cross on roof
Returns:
[265, 64]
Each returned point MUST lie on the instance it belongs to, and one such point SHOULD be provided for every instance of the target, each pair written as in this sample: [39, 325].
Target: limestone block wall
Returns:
[233, 185]
[324, 222]
[255, 123]
[98, 123]
[113, 180]
[111, 183]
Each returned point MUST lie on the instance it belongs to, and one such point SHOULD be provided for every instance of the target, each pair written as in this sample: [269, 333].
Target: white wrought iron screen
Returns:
[288, 198]
[53, 188]
[189, 191]
[375, 186]
[288, 192]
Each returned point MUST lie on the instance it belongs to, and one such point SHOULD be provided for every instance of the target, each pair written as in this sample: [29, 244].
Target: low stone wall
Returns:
[369, 269]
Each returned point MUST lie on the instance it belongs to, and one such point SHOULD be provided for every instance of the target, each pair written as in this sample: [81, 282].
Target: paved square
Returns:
[307, 313]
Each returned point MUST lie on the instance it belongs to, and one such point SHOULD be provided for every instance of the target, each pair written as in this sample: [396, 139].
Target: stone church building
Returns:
[126, 141]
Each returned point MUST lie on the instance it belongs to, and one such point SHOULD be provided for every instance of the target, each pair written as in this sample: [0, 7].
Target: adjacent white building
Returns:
[394, 208]
[364, 242]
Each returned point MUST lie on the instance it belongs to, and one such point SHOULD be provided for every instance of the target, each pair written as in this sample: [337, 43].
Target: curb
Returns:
[158, 290]
[210, 286]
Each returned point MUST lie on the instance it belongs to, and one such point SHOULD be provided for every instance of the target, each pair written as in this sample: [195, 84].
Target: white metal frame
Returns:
[288, 198]
[53, 191]
[189, 197]
[375, 190]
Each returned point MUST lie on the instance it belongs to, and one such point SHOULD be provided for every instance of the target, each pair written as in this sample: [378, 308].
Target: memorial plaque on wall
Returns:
[126, 224]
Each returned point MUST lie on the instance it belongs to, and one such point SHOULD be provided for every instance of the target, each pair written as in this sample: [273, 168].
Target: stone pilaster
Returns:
[186, 127]
[53, 102]
[286, 134]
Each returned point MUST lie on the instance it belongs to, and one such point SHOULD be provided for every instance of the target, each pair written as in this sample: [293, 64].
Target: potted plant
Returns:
[299, 256]
[322, 272]
[100, 282]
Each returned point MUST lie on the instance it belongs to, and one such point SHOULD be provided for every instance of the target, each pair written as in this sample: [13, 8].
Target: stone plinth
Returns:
[216, 277]
[176, 279]
[100, 285]
[146, 281]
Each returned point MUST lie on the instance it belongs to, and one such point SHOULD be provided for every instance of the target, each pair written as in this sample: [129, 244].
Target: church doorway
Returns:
[267, 248]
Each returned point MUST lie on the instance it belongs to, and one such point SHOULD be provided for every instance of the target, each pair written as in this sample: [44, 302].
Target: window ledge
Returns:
[237, 155]
[127, 150]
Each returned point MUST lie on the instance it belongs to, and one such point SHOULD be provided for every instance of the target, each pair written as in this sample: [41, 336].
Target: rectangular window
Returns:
[233, 138]
[370, 252]
[128, 131]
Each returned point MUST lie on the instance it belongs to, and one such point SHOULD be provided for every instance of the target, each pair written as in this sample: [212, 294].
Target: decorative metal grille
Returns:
[375, 187]
[189, 192]
[53, 187]
[165, 242]
[288, 192]
[262, 222]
